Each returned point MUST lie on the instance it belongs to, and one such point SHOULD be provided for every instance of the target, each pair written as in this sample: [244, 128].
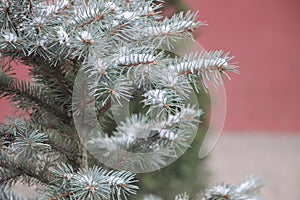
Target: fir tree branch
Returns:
[23, 169]
[58, 75]
[60, 196]
[117, 29]
[104, 109]
[138, 63]
[61, 11]
[202, 70]
[120, 40]
[97, 18]
[4, 180]
[63, 143]
[64, 151]
[31, 7]
[54, 73]
[62, 130]
[43, 72]
[9, 194]
[18, 90]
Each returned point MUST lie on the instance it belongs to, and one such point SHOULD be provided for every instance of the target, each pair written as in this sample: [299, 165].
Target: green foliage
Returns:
[92, 183]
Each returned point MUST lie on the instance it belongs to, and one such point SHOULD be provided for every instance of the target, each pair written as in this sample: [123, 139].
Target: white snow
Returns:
[85, 35]
[156, 96]
[135, 58]
[63, 36]
[10, 37]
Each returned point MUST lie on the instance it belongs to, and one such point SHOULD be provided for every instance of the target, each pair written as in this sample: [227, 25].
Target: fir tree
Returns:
[87, 59]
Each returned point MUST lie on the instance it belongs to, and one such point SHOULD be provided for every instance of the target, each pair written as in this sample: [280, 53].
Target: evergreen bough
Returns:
[116, 44]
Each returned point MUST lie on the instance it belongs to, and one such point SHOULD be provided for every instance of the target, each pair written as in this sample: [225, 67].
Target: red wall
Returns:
[264, 35]
[5, 108]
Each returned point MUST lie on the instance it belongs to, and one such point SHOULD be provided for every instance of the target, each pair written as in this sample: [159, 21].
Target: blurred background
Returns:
[262, 130]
